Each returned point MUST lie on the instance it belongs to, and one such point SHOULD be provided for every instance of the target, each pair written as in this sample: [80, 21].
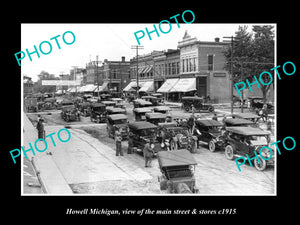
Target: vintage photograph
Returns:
[131, 109]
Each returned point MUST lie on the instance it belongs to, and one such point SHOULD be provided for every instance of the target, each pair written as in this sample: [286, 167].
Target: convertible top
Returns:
[139, 125]
[97, 104]
[247, 131]
[238, 121]
[141, 110]
[117, 116]
[162, 108]
[155, 115]
[175, 158]
[209, 123]
[245, 115]
[114, 110]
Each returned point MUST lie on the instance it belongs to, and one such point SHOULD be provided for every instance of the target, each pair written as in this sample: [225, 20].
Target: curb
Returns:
[37, 173]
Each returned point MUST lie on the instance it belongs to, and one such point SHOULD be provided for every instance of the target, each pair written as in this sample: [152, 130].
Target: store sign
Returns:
[60, 82]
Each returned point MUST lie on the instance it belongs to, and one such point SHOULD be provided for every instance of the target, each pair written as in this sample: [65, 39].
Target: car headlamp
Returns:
[266, 153]
[162, 145]
[152, 145]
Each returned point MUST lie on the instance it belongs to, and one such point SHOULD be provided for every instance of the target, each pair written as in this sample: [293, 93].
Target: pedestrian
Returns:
[148, 153]
[191, 123]
[215, 117]
[130, 143]
[40, 128]
[193, 109]
[118, 140]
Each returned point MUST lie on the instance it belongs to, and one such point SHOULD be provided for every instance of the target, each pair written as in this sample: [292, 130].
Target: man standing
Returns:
[118, 140]
[40, 128]
[148, 153]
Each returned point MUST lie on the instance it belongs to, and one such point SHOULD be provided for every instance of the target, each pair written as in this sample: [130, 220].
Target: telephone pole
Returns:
[137, 47]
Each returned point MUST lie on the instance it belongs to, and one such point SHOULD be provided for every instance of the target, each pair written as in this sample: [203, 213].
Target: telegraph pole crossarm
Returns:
[137, 47]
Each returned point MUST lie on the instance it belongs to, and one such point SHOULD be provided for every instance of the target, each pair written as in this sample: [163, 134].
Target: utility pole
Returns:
[97, 74]
[137, 47]
[75, 68]
[231, 71]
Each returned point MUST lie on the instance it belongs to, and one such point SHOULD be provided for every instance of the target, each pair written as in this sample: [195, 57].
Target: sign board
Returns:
[60, 82]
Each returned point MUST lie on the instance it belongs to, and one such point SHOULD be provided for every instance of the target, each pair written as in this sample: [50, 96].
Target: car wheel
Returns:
[229, 152]
[211, 146]
[260, 166]
[211, 109]
[187, 109]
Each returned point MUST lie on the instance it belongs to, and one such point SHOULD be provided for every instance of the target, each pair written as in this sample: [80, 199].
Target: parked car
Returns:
[152, 99]
[117, 121]
[109, 103]
[247, 116]
[162, 109]
[111, 110]
[70, 113]
[84, 108]
[139, 113]
[140, 103]
[198, 103]
[209, 131]
[256, 104]
[155, 117]
[140, 132]
[98, 112]
[178, 169]
[247, 140]
[178, 137]
[119, 103]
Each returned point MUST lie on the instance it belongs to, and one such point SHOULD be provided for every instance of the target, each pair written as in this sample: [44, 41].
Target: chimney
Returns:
[217, 39]
[123, 58]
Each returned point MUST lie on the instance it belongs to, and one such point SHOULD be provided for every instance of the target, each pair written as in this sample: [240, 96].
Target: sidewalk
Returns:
[47, 172]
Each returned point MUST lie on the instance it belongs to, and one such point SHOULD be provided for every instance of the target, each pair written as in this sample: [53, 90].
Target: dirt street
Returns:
[89, 165]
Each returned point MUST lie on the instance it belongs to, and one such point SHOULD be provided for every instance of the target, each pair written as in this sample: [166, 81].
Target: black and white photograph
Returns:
[108, 116]
[150, 111]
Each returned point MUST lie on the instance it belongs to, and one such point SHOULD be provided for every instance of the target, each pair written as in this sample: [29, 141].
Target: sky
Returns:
[108, 41]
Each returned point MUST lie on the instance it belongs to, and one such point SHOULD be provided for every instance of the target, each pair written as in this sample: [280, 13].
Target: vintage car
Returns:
[198, 103]
[238, 122]
[140, 103]
[155, 117]
[139, 113]
[119, 103]
[247, 140]
[178, 137]
[159, 96]
[209, 131]
[111, 110]
[117, 121]
[140, 132]
[84, 108]
[98, 112]
[162, 109]
[70, 113]
[256, 104]
[247, 116]
[109, 103]
[178, 169]
[152, 99]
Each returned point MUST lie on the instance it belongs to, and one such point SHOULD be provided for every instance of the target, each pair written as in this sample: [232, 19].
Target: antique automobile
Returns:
[109, 103]
[117, 121]
[198, 103]
[238, 122]
[155, 117]
[84, 108]
[111, 110]
[140, 103]
[49, 103]
[64, 102]
[247, 116]
[247, 140]
[256, 104]
[119, 103]
[178, 137]
[140, 132]
[98, 112]
[178, 169]
[162, 109]
[105, 97]
[70, 113]
[209, 131]
[159, 97]
[151, 99]
[139, 113]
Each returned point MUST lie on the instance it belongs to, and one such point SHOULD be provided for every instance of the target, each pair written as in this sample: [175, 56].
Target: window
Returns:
[210, 62]
[183, 65]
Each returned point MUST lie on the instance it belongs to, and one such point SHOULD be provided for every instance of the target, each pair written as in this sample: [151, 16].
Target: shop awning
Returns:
[147, 86]
[103, 87]
[169, 83]
[148, 69]
[184, 85]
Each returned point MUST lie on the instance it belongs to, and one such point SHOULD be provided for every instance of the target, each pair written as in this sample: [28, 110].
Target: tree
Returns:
[252, 54]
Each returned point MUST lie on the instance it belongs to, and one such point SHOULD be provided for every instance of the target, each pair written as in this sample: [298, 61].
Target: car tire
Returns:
[229, 153]
[187, 109]
[211, 146]
[211, 109]
[260, 166]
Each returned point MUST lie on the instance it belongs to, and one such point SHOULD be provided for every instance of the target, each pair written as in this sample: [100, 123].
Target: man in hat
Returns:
[118, 140]
[40, 128]
[148, 153]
